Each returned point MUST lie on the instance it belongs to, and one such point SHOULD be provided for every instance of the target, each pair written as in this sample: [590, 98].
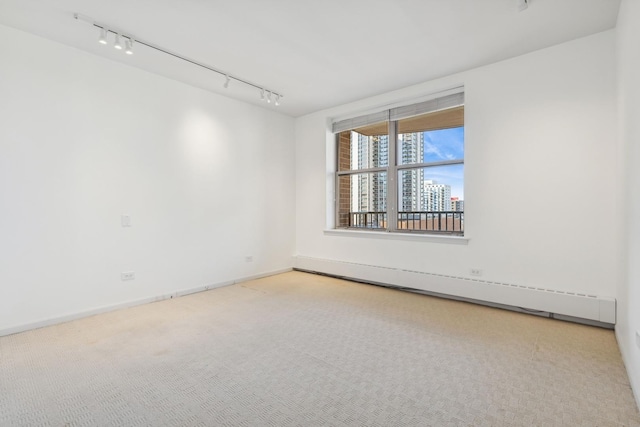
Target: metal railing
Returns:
[445, 222]
[441, 222]
[368, 219]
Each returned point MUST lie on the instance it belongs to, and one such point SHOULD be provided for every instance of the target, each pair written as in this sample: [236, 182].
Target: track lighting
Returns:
[128, 46]
[129, 40]
[118, 43]
[103, 36]
[268, 97]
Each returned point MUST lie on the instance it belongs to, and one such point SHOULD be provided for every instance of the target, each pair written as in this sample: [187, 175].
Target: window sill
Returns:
[415, 237]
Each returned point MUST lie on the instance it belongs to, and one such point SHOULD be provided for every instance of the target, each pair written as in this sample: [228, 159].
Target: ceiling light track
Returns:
[129, 40]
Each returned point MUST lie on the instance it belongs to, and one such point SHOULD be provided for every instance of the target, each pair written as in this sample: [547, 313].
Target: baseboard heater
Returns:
[571, 306]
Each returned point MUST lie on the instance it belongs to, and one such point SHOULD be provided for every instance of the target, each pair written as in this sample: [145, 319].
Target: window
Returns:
[402, 169]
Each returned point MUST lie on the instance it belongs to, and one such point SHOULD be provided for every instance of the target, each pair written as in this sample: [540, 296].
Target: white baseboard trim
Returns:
[103, 309]
[526, 298]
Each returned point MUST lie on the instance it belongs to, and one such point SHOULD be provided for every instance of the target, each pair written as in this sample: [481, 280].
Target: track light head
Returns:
[103, 36]
[128, 46]
[118, 43]
[226, 82]
[277, 100]
[268, 97]
[262, 94]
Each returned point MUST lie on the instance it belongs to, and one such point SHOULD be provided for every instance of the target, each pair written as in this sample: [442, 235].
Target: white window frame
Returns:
[454, 98]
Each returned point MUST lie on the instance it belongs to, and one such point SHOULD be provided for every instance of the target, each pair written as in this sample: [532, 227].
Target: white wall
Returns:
[628, 48]
[541, 201]
[207, 180]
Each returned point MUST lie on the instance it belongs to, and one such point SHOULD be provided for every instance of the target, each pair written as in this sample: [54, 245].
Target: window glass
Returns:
[363, 200]
[431, 189]
[435, 206]
[423, 139]
[364, 148]
[429, 168]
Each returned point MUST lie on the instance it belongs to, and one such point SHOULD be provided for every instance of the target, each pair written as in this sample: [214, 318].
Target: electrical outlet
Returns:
[125, 220]
[475, 272]
[127, 275]
[248, 258]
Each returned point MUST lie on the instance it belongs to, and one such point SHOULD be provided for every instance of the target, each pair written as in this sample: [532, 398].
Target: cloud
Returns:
[445, 144]
[430, 148]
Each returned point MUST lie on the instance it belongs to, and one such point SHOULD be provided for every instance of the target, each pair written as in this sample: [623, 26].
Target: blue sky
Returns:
[445, 144]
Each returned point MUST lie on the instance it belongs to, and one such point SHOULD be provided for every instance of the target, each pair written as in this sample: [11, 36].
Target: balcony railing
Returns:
[445, 222]
[367, 219]
[440, 222]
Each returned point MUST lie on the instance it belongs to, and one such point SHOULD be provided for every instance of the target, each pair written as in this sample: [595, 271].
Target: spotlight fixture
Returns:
[103, 36]
[128, 43]
[522, 5]
[118, 43]
[129, 40]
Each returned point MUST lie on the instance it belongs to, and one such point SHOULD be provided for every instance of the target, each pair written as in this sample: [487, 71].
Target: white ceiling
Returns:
[317, 53]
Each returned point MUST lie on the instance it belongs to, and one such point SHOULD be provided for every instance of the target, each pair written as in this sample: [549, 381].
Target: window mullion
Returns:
[431, 164]
[392, 177]
[361, 171]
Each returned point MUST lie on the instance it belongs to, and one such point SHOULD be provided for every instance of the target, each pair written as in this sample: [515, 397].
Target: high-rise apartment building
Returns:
[370, 190]
[411, 151]
[437, 197]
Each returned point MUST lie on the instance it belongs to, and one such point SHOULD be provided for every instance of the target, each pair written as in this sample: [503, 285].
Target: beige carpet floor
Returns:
[305, 350]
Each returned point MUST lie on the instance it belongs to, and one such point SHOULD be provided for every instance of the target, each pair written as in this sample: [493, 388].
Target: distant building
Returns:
[370, 190]
[457, 205]
[411, 181]
[436, 197]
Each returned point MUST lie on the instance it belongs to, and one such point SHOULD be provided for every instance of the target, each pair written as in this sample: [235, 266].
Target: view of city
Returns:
[423, 189]
[426, 192]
